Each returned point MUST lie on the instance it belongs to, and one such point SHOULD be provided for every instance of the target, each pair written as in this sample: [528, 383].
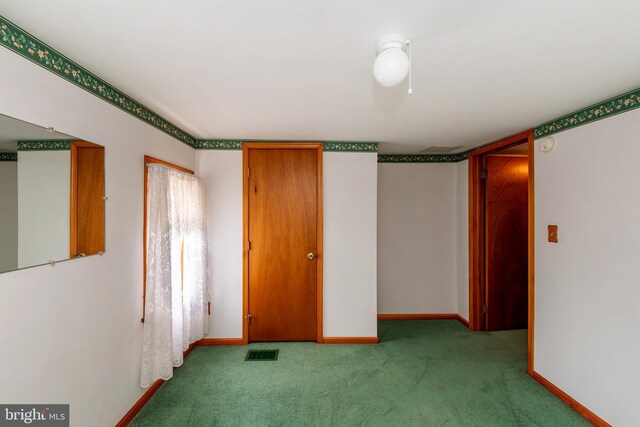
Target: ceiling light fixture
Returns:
[392, 63]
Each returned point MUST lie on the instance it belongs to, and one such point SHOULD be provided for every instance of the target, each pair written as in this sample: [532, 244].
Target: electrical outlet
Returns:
[553, 233]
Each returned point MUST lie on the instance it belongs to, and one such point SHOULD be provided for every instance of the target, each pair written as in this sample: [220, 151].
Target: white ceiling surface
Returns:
[13, 130]
[293, 70]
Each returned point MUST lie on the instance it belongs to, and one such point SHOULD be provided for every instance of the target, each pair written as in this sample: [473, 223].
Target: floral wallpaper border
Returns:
[8, 157]
[616, 105]
[422, 158]
[233, 144]
[18, 40]
[44, 145]
[211, 144]
[353, 147]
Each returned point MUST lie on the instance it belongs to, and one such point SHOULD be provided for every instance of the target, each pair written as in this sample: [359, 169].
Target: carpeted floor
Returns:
[423, 373]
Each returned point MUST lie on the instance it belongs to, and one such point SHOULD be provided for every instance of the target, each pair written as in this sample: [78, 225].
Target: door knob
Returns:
[311, 255]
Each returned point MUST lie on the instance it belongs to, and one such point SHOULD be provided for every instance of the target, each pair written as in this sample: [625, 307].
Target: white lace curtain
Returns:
[177, 282]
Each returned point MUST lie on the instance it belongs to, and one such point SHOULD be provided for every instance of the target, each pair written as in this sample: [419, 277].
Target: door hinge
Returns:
[248, 174]
[249, 245]
[484, 309]
[483, 174]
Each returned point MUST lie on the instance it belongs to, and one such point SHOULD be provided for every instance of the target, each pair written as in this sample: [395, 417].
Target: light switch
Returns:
[553, 233]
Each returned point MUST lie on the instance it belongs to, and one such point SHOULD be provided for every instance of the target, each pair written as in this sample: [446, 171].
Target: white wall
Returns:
[587, 284]
[417, 238]
[8, 216]
[43, 206]
[72, 333]
[221, 172]
[350, 242]
[349, 283]
[462, 237]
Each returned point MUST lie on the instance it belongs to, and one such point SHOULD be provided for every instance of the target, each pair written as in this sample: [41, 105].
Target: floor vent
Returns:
[261, 355]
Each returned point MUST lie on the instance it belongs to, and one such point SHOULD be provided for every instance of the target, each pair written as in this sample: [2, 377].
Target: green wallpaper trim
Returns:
[210, 144]
[354, 147]
[8, 157]
[612, 106]
[235, 144]
[422, 158]
[44, 145]
[21, 42]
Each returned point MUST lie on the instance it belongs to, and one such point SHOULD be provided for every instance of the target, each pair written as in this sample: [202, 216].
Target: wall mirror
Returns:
[51, 196]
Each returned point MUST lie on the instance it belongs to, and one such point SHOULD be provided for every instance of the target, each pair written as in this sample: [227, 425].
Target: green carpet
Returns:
[423, 373]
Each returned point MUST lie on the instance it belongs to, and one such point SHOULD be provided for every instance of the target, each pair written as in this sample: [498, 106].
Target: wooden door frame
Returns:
[246, 147]
[476, 233]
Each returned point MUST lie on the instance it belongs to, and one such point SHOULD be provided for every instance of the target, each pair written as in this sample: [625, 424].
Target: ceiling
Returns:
[13, 130]
[292, 70]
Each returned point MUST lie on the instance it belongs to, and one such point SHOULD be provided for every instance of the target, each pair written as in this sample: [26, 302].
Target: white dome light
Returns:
[392, 63]
[391, 67]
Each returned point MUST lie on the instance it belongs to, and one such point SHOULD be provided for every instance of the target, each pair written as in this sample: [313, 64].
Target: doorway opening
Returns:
[501, 230]
[282, 262]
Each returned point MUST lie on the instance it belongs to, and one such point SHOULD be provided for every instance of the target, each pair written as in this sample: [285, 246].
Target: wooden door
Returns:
[87, 199]
[283, 244]
[506, 250]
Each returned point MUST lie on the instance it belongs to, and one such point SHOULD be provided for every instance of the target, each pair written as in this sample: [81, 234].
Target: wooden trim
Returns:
[574, 404]
[507, 155]
[246, 146]
[436, 316]
[147, 160]
[476, 235]
[188, 350]
[507, 142]
[443, 316]
[221, 341]
[73, 194]
[245, 246]
[350, 340]
[130, 415]
[320, 248]
[462, 320]
[85, 144]
[476, 269]
[531, 263]
[283, 145]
